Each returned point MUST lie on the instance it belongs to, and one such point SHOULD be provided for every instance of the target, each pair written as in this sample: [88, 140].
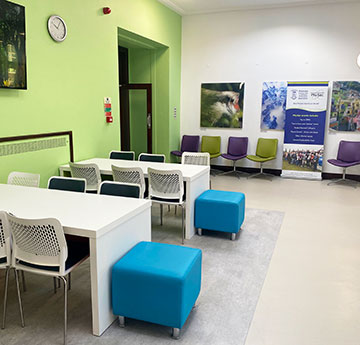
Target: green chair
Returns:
[212, 146]
[265, 151]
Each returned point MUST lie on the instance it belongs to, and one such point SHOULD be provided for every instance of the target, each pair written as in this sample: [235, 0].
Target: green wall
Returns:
[67, 81]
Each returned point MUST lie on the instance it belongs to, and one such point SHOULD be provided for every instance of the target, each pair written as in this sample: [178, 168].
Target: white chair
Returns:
[39, 246]
[167, 187]
[152, 157]
[196, 158]
[130, 175]
[5, 263]
[24, 179]
[90, 172]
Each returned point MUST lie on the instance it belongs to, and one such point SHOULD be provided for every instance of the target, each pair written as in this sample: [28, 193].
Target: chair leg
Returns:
[69, 281]
[183, 223]
[19, 298]
[23, 281]
[55, 285]
[161, 214]
[65, 308]
[199, 231]
[233, 236]
[5, 295]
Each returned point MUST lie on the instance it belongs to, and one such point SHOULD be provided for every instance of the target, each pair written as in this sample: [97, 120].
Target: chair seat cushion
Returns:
[220, 210]
[77, 252]
[342, 164]
[157, 282]
[259, 159]
[232, 157]
[177, 153]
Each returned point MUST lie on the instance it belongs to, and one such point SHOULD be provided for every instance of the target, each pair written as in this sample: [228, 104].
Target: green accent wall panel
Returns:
[67, 81]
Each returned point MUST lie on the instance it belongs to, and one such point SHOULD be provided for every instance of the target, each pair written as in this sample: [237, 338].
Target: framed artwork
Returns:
[273, 106]
[222, 105]
[345, 106]
[12, 46]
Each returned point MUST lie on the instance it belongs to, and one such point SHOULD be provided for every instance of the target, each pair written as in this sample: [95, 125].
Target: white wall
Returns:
[312, 43]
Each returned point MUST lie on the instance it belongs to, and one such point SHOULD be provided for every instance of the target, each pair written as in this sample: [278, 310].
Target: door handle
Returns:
[148, 119]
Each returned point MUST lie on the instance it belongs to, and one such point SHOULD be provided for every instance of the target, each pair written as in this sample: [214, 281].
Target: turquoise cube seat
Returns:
[220, 210]
[158, 283]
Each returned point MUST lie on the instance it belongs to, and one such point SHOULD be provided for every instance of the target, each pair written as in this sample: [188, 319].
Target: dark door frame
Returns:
[124, 114]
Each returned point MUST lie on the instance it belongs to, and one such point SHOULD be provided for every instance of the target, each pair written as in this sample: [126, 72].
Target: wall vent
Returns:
[9, 149]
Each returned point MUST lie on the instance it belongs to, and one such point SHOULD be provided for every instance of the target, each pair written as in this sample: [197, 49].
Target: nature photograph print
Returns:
[12, 46]
[273, 106]
[222, 105]
[345, 106]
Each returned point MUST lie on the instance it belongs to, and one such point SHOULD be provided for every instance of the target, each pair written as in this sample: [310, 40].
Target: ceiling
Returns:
[186, 7]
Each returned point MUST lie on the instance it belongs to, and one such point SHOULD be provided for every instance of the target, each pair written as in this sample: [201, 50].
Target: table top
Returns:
[82, 214]
[190, 172]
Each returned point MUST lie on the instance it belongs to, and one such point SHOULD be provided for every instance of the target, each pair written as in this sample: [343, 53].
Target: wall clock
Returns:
[57, 28]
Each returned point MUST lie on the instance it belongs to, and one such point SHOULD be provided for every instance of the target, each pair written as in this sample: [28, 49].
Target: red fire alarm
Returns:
[106, 10]
[109, 119]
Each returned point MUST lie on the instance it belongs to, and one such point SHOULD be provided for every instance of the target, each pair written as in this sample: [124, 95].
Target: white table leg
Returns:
[193, 189]
[105, 251]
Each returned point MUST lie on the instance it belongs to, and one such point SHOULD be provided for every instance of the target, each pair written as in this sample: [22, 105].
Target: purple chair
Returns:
[237, 149]
[189, 143]
[348, 155]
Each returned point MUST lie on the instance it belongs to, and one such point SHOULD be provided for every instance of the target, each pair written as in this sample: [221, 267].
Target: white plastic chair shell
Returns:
[195, 158]
[39, 242]
[24, 179]
[90, 172]
[5, 249]
[130, 175]
[166, 184]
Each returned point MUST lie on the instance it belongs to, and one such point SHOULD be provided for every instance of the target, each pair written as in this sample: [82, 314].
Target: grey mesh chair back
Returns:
[126, 155]
[128, 190]
[130, 175]
[90, 172]
[166, 184]
[24, 179]
[70, 184]
[151, 157]
[196, 158]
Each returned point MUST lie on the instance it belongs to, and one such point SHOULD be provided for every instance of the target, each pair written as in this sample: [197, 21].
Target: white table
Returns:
[197, 180]
[112, 224]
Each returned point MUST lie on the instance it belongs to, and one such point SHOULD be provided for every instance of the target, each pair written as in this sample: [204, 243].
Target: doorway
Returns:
[135, 110]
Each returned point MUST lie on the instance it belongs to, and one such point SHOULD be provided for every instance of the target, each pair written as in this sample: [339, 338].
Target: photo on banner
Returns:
[222, 105]
[306, 107]
[345, 106]
[303, 157]
[273, 106]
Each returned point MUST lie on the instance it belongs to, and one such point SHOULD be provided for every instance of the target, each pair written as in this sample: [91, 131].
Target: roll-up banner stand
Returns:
[306, 105]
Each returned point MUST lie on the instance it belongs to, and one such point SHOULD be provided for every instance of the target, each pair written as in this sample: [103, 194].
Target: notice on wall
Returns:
[306, 105]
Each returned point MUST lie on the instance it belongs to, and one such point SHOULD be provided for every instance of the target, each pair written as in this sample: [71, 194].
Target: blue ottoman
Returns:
[158, 283]
[221, 211]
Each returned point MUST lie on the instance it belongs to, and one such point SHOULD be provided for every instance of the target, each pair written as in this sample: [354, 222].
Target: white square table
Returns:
[112, 224]
[197, 180]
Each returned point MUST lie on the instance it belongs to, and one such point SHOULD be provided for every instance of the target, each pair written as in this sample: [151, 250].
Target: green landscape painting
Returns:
[12, 46]
[222, 105]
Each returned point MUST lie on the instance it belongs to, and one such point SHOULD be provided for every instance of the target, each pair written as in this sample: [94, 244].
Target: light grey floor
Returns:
[233, 275]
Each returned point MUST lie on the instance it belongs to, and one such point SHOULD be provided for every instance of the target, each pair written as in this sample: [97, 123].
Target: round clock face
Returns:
[57, 28]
